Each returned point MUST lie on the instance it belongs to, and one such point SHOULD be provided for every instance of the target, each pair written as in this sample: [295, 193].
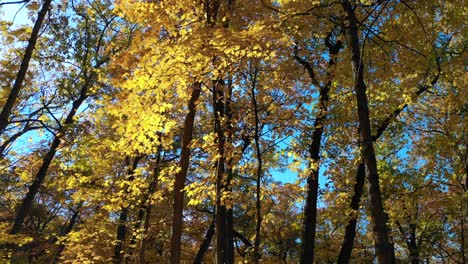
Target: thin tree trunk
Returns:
[350, 230]
[462, 235]
[67, 230]
[182, 175]
[205, 244]
[220, 214]
[13, 96]
[133, 239]
[259, 172]
[413, 246]
[122, 227]
[228, 188]
[145, 233]
[310, 209]
[384, 248]
[28, 201]
[121, 233]
[223, 217]
[144, 204]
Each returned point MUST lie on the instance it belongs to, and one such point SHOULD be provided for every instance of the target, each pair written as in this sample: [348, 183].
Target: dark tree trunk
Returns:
[223, 216]
[144, 205]
[205, 244]
[13, 96]
[121, 233]
[133, 239]
[220, 213]
[350, 230]
[145, 233]
[384, 248]
[310, 209]
[182, 175]
[122, 227]
[259, 171]
[227, 187]
[413, 246]
[28, 201]
[65, 231]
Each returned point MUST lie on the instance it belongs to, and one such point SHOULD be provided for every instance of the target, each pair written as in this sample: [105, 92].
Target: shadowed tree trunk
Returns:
[350, 230]
[221, 216]
[205, 244]
[65, 231]
[310, 208]
[259, 172]
[384, 248]
[14, 93]
[144, 204]
[145, 233]
[182, 175]
[122, 227]
[27, 202]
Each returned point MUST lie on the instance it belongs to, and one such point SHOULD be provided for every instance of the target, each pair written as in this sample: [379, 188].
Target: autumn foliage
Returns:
[234, 131]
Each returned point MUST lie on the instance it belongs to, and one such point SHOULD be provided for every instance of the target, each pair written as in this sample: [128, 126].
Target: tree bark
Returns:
[13, 96]
[67, 230]
[205, 244]
[384, 248]
[220, 213]
[223, 216]
[350, 230]
[228, 188]
[259, 171]
[182, 175]
[145, 233]
[122, 227]
[412, 245]
[27, 202]
[121, 233]
[144, 205]
[310, 209]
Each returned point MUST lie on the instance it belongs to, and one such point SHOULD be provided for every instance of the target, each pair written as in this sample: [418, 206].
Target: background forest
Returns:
[233, 131]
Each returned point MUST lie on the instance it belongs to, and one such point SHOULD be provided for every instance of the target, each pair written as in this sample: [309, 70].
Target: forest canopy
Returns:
[233, 131]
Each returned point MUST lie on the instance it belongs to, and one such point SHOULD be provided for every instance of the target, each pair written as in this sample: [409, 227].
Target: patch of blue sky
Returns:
[14, 13]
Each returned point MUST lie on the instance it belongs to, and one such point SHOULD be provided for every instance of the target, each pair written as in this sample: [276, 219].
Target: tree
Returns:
[236, 131]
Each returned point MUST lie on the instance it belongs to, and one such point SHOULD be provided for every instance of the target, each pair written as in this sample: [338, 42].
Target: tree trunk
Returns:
[310, 209]
[223, 217]
[121, 233]
[13, 96]
[67, 230]
[259, 172]
[413, 246]
[228, 188]
[144, 205]
[182, 175]
[205, 244]
[350, 230]
[145, 233]
[384, 248]
[133, 239]
[28, 201]
[122, 227]
[220, 213]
